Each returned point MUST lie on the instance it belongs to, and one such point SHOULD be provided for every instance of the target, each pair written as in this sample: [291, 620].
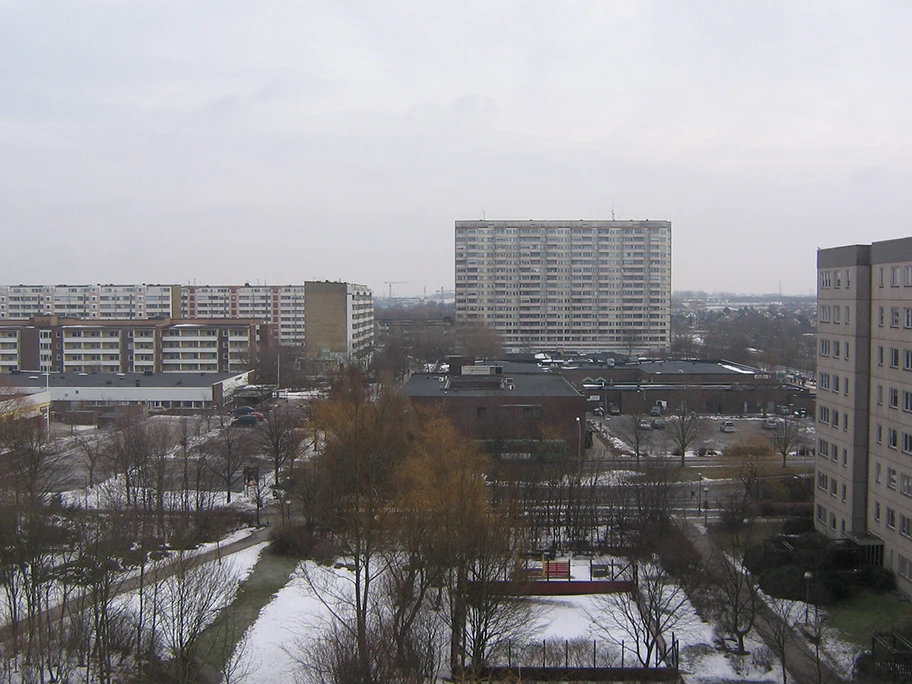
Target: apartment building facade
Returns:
[71, 345]
[340, 322]
[864, 398]
[570, 285]
[283, 307]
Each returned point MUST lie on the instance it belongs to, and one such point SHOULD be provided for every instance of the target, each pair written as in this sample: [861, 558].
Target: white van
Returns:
[727, 426]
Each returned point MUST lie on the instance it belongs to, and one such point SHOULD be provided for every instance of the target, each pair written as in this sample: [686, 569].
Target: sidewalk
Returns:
[799, 660]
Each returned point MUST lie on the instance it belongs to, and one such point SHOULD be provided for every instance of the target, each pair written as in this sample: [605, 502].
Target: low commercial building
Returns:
[504, 404]
[168, 391]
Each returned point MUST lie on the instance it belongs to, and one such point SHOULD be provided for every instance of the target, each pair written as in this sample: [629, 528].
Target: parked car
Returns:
[243, 410]
[655, 411]
[727, 426]
[613, 410]
[770, 423]
[658, 424]
[244, 421]
[644, 424]
[257, 415]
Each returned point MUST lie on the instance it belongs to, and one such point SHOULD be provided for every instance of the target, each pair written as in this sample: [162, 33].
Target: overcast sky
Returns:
[220, 141]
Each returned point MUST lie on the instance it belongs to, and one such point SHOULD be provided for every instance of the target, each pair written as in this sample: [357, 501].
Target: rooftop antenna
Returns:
[612, 211]
[483, 215]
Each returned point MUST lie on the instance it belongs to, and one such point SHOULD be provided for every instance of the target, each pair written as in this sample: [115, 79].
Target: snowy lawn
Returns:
[295, 615]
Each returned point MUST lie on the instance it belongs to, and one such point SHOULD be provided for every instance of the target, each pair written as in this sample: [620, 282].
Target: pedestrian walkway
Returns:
[800, 662]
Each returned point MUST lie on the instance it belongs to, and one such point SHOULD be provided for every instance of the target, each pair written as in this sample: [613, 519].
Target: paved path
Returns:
[799, 661]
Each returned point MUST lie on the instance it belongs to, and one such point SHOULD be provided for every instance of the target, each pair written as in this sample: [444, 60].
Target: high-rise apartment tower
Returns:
[570, 285]
[864, 400]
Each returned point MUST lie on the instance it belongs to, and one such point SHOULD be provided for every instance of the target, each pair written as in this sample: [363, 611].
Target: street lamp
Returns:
[705, 506]
[808, 576]
[579, 439]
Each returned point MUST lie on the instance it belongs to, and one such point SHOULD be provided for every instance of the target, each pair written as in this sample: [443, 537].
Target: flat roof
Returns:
[77, 380]
[524, 385]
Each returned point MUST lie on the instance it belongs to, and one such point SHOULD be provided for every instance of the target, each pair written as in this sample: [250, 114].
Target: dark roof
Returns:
[36, 379]
[524, 385]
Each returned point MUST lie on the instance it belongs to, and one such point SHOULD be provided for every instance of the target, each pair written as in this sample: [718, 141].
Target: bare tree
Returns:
[636, 431]
[280, 436]
[228, 452]
[736, 597]
[786, 436]
[782, 617]
[686, 428]
[188, 598]
[656, 607]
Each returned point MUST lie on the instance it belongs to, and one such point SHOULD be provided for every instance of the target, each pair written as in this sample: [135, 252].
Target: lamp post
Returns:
[808, 576]
[705, 506]
[579, 439]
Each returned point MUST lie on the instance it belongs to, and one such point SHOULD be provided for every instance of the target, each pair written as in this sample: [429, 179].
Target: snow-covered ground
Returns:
[295, 614]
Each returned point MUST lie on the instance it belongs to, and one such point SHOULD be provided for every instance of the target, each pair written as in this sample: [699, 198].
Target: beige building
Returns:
[864, 399]
[340, 322]
[570, 285]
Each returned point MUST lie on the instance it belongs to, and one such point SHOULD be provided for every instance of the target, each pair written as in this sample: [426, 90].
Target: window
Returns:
[905, 485]
[907, 359]
[846, 317]
[892, 438]
[846, 345]
[824, 347]
[880, 277]
[891, 478]
[824, 414]
[843, 493]
[894, 397]
[836, 383]
[836, 348]
[877, 511]
[823, 447]
[879, 395]
[894, 316]
[823, 482]
[845, 458]
[908, 270]
[834, 487]
[880, 356]
[824, 314]
[905, 526]
[835, 419]
[894, 276]
[836, 314]
[848, 279]
[845, 386]
[880, 317]
[907, 400]
[894, 357]
[821, 513]
[838, 279]
[825, 279]
[824, 381]
[880, 434]
[891, 518]
[907, 317]
[845, 422]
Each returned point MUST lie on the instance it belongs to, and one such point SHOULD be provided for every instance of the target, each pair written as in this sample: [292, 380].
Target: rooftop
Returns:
[520, 384]
[35, 379]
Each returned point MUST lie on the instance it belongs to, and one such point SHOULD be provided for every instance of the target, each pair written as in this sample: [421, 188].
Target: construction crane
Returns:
[390, 284]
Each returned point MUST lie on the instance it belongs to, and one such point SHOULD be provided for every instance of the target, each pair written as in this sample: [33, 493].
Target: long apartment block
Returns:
[571, 285]
[348, 307]
[864, 400]
[76, 345]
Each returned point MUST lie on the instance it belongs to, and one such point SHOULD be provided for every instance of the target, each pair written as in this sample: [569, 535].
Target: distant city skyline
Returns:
[280, 141]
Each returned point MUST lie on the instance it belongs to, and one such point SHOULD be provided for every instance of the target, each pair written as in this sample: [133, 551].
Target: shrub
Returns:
[798, 524]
